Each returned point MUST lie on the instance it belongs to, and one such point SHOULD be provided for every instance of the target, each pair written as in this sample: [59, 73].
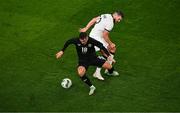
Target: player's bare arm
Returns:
[106, 37]
[91, 23]
[112, 46]
[60, 53]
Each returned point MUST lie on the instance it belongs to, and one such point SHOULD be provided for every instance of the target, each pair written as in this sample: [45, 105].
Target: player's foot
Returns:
[98, 76]
[92, 89]
[115, 73]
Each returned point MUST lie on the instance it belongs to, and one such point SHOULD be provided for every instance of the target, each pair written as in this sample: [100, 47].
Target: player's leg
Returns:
[108, 66]
[112, 52]
[82, 73]
[98, 62]
[97, 73]
[110, 69]
[105, 44]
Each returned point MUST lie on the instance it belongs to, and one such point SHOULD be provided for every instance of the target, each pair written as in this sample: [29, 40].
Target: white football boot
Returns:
[98, 76]
[115, 73]
[92, 89]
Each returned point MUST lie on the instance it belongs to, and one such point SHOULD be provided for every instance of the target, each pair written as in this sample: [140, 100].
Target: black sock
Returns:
[111, 70]
[112, 53]
[86, 80]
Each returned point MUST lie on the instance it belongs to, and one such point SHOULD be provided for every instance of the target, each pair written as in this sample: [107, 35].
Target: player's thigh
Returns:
[98, 62]
[107, 65]
[81, 70]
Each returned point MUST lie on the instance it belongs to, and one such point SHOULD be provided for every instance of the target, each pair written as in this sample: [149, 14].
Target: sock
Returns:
[86, 80]
[111, 70]
[98, 70]
[112, 55]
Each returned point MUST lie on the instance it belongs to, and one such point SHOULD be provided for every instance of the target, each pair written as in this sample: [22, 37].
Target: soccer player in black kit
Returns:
[85, 47]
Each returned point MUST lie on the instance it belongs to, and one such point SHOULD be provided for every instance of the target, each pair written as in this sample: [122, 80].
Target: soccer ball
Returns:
[66, 83]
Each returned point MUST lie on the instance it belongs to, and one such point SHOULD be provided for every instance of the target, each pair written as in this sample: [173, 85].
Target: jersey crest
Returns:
[89, 45]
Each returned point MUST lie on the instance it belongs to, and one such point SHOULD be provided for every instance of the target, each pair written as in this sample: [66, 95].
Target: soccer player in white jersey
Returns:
[103, 24]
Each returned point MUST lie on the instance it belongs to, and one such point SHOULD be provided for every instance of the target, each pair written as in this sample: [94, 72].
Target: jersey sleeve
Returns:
[67, 43]
[98, 20]
[100, 45]
[109, 26]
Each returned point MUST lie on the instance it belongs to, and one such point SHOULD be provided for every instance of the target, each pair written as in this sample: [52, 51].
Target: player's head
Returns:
[118, 16]
[83, 37]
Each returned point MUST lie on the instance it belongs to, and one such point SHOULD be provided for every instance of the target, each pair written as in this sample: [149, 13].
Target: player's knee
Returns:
[81, 71]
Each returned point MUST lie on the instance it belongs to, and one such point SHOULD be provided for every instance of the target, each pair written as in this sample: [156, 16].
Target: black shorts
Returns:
[94, 62]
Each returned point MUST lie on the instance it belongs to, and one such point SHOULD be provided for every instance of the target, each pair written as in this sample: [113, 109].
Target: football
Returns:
[66, 83]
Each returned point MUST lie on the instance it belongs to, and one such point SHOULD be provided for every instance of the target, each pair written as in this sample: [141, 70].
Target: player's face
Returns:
[118, 18]
[84, 41]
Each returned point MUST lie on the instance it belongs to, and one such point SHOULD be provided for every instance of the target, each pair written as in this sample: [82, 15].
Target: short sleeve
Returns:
[109, 26]
[99, 19]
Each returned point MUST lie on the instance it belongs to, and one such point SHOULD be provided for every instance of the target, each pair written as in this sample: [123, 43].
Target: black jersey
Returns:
[86, 52]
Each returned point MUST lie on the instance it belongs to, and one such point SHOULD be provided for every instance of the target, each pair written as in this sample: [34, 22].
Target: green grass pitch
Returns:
[148, 56]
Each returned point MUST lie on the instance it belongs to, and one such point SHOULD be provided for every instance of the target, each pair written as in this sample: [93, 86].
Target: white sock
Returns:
[98, 70]
[112, 57]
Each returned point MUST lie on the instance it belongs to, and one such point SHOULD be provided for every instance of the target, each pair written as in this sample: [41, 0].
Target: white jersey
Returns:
[105, 22]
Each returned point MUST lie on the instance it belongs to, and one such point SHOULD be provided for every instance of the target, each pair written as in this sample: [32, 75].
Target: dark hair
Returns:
[83, 35]
[120, 13]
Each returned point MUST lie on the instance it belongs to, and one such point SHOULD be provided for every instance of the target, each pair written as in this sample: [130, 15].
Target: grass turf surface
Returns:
[148, 58]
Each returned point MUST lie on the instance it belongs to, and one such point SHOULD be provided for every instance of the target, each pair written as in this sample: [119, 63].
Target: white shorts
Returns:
[100, 39]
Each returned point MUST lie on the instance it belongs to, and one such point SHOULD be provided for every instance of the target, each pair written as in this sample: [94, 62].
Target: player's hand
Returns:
[83, 29]
[59, 54]
[112, 45]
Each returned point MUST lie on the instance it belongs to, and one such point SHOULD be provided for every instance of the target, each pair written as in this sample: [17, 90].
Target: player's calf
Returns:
[110, 69]
[82, 74]
[85, 79]
[108, 66]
